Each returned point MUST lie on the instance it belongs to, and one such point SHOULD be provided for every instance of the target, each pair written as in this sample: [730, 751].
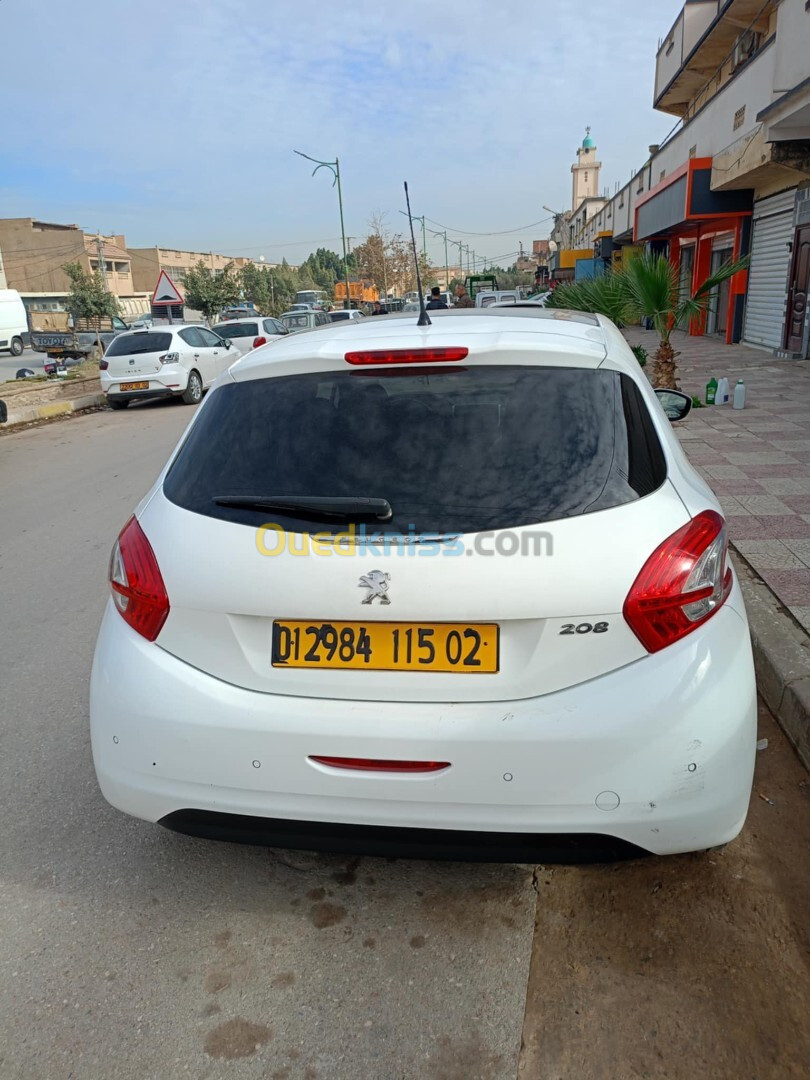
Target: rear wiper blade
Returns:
[343, 508]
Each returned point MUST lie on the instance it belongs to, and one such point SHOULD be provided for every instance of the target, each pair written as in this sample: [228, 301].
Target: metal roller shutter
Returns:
[767, 277]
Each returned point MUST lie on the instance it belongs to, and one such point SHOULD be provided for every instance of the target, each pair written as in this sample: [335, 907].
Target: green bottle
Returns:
[711, 390]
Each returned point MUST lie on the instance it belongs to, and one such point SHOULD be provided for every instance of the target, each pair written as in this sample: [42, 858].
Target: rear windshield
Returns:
[237, 330]
[453, 451]
[297, 322]
[336, 316]
[132, 344]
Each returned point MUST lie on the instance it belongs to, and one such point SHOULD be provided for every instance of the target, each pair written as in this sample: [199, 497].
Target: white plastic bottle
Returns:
[739, 395]
[723, 392]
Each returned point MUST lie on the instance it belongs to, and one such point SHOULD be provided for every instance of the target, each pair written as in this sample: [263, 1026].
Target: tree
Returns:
[88, 297]
[606, 294]
[647, 288]
[325, 267]
[653, 289]
[209, 292]
[257, 286]
[285, 284]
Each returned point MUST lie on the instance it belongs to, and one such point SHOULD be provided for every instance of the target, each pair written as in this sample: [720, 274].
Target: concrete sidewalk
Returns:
[757, 459]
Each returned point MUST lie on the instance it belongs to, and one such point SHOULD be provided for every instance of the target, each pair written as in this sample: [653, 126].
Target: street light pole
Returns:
[334, 168]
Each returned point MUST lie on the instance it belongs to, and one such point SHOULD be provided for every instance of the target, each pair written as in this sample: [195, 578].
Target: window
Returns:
[191, 335]
[233, 330]
[135, 344]
[487, 447]
[209, 340]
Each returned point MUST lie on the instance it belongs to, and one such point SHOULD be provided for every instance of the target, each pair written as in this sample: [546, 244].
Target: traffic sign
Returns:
[166, 291]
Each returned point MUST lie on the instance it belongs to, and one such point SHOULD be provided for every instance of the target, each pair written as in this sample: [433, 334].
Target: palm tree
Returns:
[651, 285]
[605, 295]
[647, 288]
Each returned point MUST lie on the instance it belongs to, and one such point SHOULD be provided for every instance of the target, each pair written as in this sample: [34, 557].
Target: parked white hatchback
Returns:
[167, 361]
[449, 589]
[251, 333]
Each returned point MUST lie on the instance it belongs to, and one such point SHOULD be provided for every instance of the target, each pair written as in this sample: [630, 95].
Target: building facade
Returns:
[34, 254]
[147, 264]
[732, 179]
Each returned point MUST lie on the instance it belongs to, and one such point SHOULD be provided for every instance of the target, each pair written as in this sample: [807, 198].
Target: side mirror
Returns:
[3, 412]
[226, 342]
[675, 404]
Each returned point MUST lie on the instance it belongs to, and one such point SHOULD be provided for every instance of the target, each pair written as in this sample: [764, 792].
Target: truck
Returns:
[86, 339]
[476, 283]
[360, 293]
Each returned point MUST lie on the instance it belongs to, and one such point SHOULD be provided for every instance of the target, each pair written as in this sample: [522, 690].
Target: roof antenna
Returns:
[424, 318]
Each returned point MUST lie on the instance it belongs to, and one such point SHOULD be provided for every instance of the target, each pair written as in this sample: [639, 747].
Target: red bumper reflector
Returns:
[437, 355]
[380, 764]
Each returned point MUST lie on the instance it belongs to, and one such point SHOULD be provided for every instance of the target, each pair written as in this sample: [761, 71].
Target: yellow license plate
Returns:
[133, 386]
[466, 648]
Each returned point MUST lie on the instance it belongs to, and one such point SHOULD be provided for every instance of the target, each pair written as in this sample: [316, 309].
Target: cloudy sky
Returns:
[175, 121]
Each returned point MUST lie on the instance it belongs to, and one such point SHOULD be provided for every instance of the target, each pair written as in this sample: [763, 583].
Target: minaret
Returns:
[585, 172]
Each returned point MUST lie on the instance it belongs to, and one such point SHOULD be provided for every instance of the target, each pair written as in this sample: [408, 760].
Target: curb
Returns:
[781, 657]
[54, 408]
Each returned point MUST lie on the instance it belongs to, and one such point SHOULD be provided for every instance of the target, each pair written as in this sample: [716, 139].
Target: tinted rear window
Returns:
[133, 344]
[452, 451]
[237, 330]
[297, 322]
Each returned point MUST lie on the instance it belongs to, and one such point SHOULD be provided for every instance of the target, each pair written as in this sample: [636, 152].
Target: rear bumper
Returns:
[667, 742]
[171, 383]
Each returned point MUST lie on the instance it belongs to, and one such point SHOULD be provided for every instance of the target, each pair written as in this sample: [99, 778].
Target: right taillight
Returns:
[136, 582]
[103, 365]
[682, 584]
[259, 341]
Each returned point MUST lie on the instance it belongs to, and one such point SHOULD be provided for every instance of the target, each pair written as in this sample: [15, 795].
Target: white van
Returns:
[487, 297]
[13, 322]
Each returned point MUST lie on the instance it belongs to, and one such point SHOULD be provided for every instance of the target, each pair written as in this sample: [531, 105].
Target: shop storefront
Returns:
[700, 230]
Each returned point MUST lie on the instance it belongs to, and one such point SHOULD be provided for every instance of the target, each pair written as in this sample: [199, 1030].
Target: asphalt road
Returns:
[10, 365]
[130, 952]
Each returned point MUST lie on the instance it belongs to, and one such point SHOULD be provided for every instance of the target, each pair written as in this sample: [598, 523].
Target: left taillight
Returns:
[137, 585]
[682, 584]
[259, 341]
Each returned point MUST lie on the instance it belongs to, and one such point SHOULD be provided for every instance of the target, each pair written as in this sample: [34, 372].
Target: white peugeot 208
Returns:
[446, 589]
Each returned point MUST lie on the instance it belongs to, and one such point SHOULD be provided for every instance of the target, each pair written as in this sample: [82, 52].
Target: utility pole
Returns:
[460, 257]
[424, 237]
[446, 260]
[102, 264]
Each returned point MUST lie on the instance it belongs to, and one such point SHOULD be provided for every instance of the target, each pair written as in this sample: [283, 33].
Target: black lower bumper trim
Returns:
[392, 841]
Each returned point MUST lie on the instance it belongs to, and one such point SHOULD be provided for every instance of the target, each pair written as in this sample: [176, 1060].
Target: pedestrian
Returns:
[463, 299]
[377, 309]
[436, 303]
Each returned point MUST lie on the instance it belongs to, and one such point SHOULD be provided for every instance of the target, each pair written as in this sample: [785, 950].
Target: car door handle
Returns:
[196, 356]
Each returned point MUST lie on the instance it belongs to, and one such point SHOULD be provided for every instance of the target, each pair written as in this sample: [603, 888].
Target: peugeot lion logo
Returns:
[376, 584]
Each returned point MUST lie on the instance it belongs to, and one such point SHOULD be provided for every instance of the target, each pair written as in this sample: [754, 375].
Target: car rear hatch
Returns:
[137, 354]
[524, 500]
